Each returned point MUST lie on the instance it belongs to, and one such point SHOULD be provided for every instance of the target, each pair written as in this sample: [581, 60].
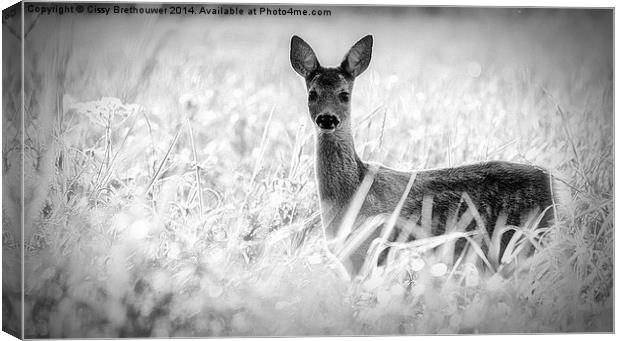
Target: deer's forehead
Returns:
[329, 79]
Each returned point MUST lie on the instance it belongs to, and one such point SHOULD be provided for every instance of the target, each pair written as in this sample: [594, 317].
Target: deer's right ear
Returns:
[303, 59]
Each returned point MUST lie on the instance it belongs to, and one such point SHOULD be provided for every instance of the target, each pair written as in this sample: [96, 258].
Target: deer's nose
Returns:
[327, 121]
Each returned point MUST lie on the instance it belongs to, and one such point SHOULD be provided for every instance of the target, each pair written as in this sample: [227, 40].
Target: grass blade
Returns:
[196, 167]
[162, 163]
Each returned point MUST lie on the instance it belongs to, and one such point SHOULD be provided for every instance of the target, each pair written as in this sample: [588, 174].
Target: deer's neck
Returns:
[339, 169]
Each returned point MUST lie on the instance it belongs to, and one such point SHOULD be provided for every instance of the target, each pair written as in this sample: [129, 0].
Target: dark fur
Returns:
[494, 187]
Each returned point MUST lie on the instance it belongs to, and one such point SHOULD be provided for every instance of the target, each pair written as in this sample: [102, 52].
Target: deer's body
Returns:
[495, 187]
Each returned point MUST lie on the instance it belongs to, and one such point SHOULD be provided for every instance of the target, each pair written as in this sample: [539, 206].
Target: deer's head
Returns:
[329, 89]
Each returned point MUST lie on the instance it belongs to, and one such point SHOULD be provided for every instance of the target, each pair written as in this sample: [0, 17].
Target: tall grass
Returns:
[175, 191]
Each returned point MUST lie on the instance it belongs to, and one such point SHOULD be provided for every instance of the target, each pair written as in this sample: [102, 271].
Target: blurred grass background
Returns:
[170, 184]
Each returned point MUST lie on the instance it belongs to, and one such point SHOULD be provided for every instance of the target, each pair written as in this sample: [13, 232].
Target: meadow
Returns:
[170, 186]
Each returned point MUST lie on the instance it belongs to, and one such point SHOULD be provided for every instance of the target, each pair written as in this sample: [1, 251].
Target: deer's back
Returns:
[494, 187]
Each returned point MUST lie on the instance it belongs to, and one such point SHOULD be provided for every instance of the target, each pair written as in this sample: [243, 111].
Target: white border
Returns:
[482, 3]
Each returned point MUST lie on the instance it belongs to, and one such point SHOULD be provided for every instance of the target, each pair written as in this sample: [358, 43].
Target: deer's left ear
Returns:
[357, 59]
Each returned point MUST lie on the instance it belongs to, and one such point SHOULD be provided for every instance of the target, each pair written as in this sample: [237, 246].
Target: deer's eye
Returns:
[312, 96]
[344, 96]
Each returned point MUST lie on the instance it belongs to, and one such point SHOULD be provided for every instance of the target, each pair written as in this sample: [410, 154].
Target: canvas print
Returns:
[209, 170]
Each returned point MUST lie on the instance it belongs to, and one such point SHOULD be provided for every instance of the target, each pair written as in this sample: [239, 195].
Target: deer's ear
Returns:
[357, 59]
[303, 59]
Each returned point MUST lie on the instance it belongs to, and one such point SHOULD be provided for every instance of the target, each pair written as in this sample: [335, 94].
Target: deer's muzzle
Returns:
[327, 121]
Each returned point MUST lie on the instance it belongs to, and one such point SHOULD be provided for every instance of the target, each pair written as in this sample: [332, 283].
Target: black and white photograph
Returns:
[222, 170]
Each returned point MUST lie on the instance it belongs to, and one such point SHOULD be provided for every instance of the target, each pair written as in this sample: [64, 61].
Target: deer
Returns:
[503, 192]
